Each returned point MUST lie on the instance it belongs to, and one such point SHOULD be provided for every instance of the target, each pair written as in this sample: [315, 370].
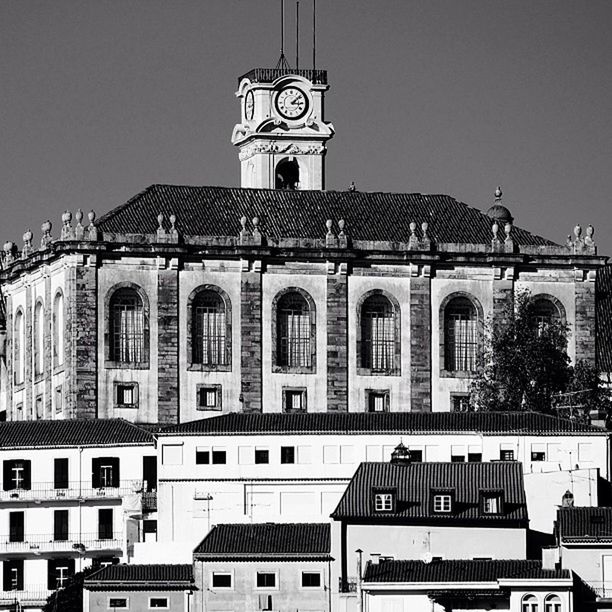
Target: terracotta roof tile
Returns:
[584, 524]
[143, 573]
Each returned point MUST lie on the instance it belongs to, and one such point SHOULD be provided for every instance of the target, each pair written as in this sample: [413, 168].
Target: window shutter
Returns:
[51, 575]
[7, 475]
[6, 574]
[95, 473]
[27, 475]
[114, 461]
[60, 480]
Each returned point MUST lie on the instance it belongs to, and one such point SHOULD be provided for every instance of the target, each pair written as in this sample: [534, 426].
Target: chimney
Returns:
[375, 558]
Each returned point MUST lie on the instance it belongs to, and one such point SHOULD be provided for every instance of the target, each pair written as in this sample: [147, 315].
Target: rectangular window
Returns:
[458, 454]
[40, 407]
[158, 603]
[416, 454]
[221, 580]
[16, 527]
[105, 472]
[202, 455]
[442, 502]
[266, 580]
[538, 452]
[262, 455]
[172, 454]
[16, 474]
[219, 457]
[311, 580]
[460, 402]
[461, 346]
[491, 503]
[506, 454]
[287, 454]
[59, 398]
[105, 524]
[60, 525]
[304, 455]
[208, 397]
[118, 603]
[383, 502]
[294, 400]
[126, 395]
[12, 575]
[60, 473]
[474, 454]
[377, 401]
[331, 454]
[58, 572]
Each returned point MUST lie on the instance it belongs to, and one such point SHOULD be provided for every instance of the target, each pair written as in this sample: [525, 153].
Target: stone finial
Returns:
[509, 242]
[329, 224]
[78, 228]
[495, 229]
[9, 252]
[257, 237]
[91, 215]
[341, 226]
[498, 194]
[92, 230]
[161, 232]
[577, 231]
[173, 233]
[66, 233]
[27, 243]
[172, 222]
[413, 241]
[588, 239]
[45, 239]
[244, 234]
[352, 186]
[330, 240]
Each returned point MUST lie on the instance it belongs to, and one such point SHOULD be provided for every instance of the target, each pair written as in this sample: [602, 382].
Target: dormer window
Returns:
[384, 501]
[491, 502]
[442, 502]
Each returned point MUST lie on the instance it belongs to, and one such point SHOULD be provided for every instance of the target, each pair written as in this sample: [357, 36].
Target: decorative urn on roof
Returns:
[498, 211]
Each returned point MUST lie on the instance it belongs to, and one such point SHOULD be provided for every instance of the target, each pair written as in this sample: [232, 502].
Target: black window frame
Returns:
[261, 577]
[61, 525]
[17, 526]
[7, 574]
[311, 574]
[165, 606]
[105, 524]
[217, 577]
[53, 577]
[259, 456]
[9, 477]
[61, 473]
[287, 455]
[97, 463]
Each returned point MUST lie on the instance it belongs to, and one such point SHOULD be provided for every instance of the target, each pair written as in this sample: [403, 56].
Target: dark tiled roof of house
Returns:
[585, 524]
[266, 540]
[531, 423]
[179, 573]
[459, 571]
[216, 211]
[603, 311]
[416, 484]
[89, 432]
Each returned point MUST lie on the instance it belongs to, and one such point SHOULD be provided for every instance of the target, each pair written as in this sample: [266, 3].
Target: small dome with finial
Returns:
[498, 211]
[400, 455]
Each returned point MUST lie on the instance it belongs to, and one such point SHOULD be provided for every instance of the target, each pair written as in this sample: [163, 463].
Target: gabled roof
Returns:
[71, 432]
[460, 571]
[416, 484]
[266, 540]
[527, 423]
[216, 211]
[180, 574]
[576, 525]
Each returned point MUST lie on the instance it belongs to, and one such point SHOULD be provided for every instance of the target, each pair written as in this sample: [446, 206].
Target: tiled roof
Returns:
[415, 484]
[90, 432]
[603, 310]
[531, 423]
[459, 571]
[142, 573]
[585, 524]
[266, 540]
[216, 211]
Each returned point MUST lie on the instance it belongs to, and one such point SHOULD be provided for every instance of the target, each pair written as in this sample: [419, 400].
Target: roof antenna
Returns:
[297, 35]
[314, 34]
[282, 63]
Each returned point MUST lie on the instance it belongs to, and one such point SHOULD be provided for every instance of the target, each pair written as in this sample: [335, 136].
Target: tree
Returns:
[524, 362]
[70, 597]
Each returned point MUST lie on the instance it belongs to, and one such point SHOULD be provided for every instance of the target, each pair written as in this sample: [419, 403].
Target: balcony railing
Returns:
[38, 544]
[149, 501]
[47, 491]
[34, 594]
[602, 590]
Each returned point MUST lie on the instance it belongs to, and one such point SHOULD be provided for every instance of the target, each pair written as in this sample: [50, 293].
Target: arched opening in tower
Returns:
[288, 174]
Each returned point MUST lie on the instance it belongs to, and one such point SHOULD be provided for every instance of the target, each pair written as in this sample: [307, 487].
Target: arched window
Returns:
[293, 331]
[529, 604]
[460, 335]
[18, 347]
[378, 334]
[38, 338]
[58, 330]
[288, 174]
[544, 312]
[128, 327]
[552, 604]
[209, 329]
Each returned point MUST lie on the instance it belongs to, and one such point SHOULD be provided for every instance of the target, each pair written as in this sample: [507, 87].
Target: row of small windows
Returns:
[20, 341]
[552, 603]
[442, 502]
[293, 332]
[266, 581]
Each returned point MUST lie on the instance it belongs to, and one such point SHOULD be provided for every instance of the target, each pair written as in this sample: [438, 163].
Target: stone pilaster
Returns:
[584, 326]
[503, 297]
[251, 339]
[337, 342]
[27, 355]
[420, 343]
[167, 345]
[47, 348]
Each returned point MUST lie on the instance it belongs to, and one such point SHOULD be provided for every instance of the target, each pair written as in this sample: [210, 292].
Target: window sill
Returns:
[370, 372]
[201, 367]
[125, 406]
[20, 386]
[59, 369]
[209, 409]
[276, 369]
[457, 374]
[123, 365]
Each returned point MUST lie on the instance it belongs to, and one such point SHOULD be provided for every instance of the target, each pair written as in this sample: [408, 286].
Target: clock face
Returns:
[292, 103]
[249, 106]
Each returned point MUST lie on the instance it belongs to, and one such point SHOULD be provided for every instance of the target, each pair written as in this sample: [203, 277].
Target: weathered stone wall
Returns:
[337, 342]
[420, 344]
[584, 326]
[251, 340]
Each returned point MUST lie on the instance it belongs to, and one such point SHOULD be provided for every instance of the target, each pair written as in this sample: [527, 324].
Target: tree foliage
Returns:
[70, 597]
[525, 366]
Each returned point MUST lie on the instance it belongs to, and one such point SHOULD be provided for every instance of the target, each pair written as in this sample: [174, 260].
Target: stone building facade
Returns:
[276, 296]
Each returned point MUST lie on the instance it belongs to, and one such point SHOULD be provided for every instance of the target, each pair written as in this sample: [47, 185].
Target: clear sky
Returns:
[101, 98]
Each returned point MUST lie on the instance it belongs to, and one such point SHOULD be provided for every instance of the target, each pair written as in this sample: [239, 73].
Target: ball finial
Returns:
[498, 193]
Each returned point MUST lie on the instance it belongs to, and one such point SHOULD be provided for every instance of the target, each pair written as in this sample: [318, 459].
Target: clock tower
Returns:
[281, 137]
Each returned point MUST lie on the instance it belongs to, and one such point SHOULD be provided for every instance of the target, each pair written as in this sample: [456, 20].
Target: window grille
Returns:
[383, 502]
[209, 329]
[377, 334]
[461, 339]
[293, 331]
[128, 327]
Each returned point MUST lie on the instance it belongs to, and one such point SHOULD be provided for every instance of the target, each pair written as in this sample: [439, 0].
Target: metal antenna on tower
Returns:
[297, 34]
[314, 34]
[282, 60]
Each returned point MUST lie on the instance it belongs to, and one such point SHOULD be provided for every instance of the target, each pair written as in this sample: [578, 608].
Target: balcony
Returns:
[33, 595]
[81, 543]
[46, 491]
